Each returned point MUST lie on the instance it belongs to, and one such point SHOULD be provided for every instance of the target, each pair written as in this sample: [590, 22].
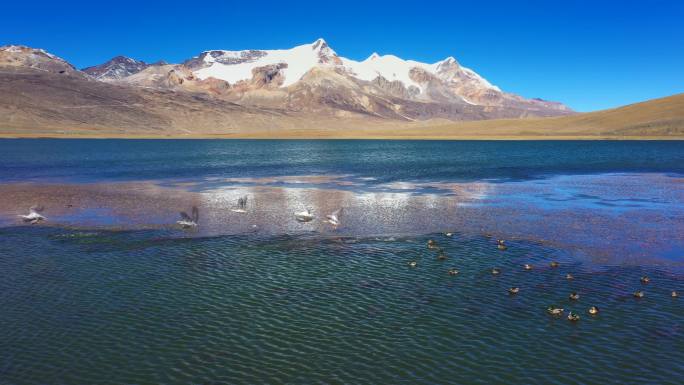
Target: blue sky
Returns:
[588, 54]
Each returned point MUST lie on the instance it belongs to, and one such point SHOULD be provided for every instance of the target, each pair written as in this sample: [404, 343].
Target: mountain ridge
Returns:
[42, 94]
[314, 78]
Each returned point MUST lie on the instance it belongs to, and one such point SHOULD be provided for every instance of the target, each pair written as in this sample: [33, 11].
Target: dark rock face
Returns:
[394, 88]
[268, 76]
[116, 68]
[223, 57]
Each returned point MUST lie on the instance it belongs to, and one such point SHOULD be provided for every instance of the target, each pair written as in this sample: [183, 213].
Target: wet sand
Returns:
[606, 219]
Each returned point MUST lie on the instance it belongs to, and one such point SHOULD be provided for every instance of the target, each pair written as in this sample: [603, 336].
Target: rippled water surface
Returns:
[110, 291]
[137, 307]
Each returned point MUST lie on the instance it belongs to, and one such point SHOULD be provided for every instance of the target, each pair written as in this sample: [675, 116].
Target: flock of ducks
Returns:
[553, 311]
[191, 221]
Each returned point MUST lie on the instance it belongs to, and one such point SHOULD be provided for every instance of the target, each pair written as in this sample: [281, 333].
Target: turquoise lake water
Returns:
[290, 303]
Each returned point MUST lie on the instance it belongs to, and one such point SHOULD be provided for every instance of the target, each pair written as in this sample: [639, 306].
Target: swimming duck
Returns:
[574, 296]
[441, 256]
[569, 276]
[674, 294]
[573, 317]
[413, 264]
[554, 310]
[555, 264]
[528, 266]
[453, 272]
[34, 215]
[593, 310]
[496, 271]
[187, 221]
[449, 234]
[513, 290]
[431, 244]
[645, 280]
[502, 247]
[639, 294]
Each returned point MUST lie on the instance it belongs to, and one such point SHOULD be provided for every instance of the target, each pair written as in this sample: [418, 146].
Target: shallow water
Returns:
[109, 291]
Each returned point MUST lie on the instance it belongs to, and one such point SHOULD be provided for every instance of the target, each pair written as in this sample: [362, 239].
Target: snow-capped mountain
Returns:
[445, 82]
[313, 79]
[238, 66]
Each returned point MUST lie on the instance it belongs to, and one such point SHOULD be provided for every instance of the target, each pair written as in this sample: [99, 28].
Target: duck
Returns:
[554, 310]
[569, 276]
[593, 310]
[33, 216]
[496, 271]
[573, 317]
[304, 216]
[645, 280]
[453, 272]
[574, 296]
[334, 218]
[502, 247]
[555, 264]
[674, 294]
[639, 294]
[431, 244]
[413, 264]
[449, 234]
[527, 266]
[441, 256]
[189, 221]
[513, 290]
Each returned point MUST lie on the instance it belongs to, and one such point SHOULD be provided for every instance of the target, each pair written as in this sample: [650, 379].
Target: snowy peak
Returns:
[291, 65]
[238, 66]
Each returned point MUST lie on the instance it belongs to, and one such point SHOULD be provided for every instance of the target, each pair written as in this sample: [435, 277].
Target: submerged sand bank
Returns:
[610, 219]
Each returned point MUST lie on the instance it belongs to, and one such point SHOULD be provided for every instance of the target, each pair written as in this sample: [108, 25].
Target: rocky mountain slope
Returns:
[116, 68]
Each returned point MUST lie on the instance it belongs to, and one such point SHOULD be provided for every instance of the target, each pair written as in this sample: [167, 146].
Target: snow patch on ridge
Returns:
[299, 61]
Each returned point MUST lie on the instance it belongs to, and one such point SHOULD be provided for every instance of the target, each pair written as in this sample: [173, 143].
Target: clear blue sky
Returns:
[588, 54]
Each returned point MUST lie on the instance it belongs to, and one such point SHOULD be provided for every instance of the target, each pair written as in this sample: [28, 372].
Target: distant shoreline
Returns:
[658, 119]
[344, 137]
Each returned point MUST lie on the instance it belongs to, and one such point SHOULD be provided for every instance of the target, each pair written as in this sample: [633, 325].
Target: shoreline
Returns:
[331, 136]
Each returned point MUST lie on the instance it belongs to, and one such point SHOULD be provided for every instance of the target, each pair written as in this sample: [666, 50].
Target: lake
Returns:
[109, 290]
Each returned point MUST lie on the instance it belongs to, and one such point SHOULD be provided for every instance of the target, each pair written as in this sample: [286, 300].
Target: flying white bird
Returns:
[241, 205]
[304, 216]
[333, 218]
[34, 215]
[188, 221]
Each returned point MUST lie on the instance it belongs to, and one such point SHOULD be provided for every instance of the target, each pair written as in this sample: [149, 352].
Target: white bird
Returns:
[333, 218]
[188, 221]
[241, 205]
[34, 215]
[304, 216]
